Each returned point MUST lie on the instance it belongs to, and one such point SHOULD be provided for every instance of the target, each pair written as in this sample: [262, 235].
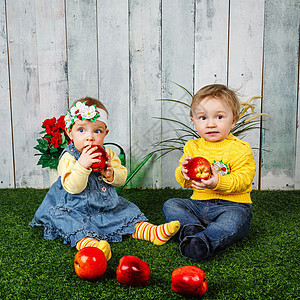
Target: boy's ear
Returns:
[106, 131]
[235, 119]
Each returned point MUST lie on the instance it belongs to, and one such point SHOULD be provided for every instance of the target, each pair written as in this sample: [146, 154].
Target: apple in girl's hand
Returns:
[189, 281]
[198, 168]
[99, 166]
[133, 271]
[90, 263]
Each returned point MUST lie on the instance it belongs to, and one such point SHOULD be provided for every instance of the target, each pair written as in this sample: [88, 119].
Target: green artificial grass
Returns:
[265, 265]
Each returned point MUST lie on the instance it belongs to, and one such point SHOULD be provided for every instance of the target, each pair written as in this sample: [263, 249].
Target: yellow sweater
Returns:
[74, 176]
[234, 162]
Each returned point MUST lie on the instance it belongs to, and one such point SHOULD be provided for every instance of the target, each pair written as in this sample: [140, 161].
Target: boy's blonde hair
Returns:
[221, 92]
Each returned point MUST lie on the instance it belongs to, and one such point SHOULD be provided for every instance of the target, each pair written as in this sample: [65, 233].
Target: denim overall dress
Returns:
[98, 211]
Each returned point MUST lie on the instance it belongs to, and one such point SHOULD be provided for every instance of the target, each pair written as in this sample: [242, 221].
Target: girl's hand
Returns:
[88, 157]
[210, 183]
[108, 172]
[184, 169]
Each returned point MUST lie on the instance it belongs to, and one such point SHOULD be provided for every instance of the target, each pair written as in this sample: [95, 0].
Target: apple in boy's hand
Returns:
[99, 166]
[133, 271]
[198, 168]
[189, 281]
[90, 263]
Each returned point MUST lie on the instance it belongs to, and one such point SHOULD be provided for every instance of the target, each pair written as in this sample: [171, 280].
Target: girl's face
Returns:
[213, 119]
[87, 133]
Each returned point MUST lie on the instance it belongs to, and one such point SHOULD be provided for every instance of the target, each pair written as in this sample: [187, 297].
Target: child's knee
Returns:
[170, 208]
[169, 204]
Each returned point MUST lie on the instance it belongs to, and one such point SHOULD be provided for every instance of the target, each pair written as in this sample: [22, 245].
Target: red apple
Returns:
[198, 168]
[189, 281]
[90, 263]
[99, 166]
[133, 271]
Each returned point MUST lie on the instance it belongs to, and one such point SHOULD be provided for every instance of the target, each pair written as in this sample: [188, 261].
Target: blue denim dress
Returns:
[98, 211]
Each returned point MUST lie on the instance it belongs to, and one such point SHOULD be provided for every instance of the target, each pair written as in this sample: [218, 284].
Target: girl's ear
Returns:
[69, 133]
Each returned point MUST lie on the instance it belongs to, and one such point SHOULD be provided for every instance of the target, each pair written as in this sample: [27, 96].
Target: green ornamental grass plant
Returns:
[185, 131]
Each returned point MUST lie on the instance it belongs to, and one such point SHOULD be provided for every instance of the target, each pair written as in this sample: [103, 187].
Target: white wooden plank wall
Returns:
[178, 54]
[245, 57]
[129, 54]
[280, 88]
[7, 155]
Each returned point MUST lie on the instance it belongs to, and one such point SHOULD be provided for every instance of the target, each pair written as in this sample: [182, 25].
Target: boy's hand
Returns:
[108, 172]
[210, 183]
[184, 170]
[88, 157]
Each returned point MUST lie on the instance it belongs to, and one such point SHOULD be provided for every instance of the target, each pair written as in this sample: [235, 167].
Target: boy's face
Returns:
[87, 133]
[213, 119]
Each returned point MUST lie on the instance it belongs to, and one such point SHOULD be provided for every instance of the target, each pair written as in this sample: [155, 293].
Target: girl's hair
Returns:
[221, 92]
[91, 101]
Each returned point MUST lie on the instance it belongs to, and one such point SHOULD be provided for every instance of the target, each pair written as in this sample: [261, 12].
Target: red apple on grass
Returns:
[133, 271]
[198, 168]
[90, 263]
[189, 281]
[99, 166]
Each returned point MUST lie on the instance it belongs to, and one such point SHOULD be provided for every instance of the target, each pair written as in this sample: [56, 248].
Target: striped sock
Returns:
[158, 235]
[91, 242]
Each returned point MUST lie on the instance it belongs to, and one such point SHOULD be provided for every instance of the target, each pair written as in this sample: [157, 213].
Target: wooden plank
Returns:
[6, 149]
[24, 89]
[297, 161]
[81, 20]
[280, 94]
[52, 71]
[245, 61]
[211, 42]
[113, 76]
[178, 67]
[38, 79]
[145, 85]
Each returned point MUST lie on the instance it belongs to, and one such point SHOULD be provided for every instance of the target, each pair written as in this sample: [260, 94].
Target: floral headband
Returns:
[81, 111]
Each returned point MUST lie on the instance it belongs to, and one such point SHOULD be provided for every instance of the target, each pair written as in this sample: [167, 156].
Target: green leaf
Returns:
[190, 94]
[53, 150]
[42, 142]
[175, 101]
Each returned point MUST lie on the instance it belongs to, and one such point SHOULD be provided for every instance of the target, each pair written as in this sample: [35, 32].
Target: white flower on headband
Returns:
[88, 112]
[68, 120]
[77, 109]
[81, 111]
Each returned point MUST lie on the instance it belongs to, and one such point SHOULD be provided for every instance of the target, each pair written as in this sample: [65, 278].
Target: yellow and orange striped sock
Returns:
[158, 235]
[91, 242]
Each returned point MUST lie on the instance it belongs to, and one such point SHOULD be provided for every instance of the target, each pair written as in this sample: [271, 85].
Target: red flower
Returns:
[49, 122]
[46, 137]
[49, 125]
[61, 123]
[56, 139]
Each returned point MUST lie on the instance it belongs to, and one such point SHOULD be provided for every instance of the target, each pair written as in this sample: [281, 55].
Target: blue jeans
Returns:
[208, 226]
